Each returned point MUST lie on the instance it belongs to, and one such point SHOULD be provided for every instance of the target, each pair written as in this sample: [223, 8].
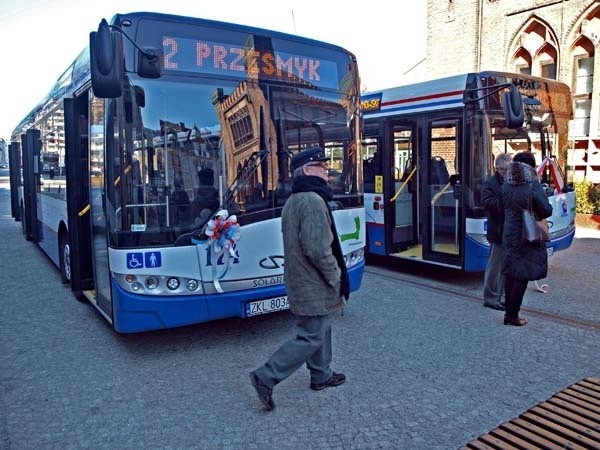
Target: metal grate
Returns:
[568, 420]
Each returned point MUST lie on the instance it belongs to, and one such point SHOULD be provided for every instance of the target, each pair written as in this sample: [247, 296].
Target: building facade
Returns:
[548, 38]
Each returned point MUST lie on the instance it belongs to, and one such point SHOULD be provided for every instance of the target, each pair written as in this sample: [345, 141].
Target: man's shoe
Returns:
[497, 307]
[264, 392]
[334, 380]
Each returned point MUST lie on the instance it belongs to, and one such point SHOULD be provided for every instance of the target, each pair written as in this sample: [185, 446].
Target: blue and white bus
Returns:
[428, 147]
[164, 150]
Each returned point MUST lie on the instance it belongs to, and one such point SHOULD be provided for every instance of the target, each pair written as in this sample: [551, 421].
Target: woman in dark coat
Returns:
[522, 261]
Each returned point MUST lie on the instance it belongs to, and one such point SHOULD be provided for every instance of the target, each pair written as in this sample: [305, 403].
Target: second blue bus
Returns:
[428, 147]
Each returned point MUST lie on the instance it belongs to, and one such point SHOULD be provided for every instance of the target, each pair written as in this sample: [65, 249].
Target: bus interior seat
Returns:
[438, 171]
[371, 167]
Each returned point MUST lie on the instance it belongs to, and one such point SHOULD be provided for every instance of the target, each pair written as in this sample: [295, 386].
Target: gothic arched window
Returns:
[522, 62]
[583, 83]
[547, 57]
[536, 50]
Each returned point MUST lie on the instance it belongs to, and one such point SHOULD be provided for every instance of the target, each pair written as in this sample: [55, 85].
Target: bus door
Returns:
[440, 181]
[403, 207]
[95, 172]
[32, 146]
[14, 157]
[87, 230]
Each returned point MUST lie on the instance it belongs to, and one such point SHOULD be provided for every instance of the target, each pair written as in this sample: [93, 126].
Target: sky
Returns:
[41, 38]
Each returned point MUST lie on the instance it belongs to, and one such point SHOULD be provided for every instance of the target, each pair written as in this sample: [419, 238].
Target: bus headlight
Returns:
[173, 283]
[355, 257]
[481, 239]
[192, 285]
[167, 285]
[151, 282]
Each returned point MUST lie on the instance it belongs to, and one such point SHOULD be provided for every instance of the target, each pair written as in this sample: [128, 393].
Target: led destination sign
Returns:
[217, 58]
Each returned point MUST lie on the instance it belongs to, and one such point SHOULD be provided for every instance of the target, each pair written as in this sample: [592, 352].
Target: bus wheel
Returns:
[65, 259]
[22, 212]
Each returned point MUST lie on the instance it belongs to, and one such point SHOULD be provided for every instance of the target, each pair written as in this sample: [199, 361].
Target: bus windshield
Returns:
[187, 148]
[494, 138]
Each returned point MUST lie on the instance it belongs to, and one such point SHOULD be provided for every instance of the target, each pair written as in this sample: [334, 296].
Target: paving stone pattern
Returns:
[426, 370]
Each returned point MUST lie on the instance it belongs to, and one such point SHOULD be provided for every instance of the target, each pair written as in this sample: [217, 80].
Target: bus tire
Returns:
[22, 212]
[64, 252]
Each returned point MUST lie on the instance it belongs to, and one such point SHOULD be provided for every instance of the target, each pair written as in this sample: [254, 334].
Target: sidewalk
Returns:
[581, 233]
[427, 370]
[586, 226]
[586, 232]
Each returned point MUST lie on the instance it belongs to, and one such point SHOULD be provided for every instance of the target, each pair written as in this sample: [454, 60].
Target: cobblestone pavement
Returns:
[426, 370]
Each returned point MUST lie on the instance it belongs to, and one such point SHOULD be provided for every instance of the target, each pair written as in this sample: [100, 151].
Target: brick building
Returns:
[550, 38]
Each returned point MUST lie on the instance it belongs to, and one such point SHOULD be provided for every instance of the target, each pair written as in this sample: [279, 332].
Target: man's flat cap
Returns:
[306, 156]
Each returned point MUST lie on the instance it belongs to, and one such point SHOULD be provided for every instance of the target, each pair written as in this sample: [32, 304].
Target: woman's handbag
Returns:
[534, 230]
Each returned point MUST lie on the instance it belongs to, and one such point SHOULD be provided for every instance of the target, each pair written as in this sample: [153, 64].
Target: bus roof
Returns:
[413, 98]
[441, 93]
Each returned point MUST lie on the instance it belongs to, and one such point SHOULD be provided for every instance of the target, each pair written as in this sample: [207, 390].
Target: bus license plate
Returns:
[267, 306]
[550, 251]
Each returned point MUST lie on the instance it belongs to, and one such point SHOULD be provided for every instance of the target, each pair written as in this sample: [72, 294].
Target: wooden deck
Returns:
[568, 420]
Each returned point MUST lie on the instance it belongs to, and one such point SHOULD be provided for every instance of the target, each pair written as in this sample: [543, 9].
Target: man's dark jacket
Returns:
[491, 200]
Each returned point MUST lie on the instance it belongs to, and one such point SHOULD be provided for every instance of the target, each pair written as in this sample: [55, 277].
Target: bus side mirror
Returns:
[150, 63]
[106, 62]
[512, 104]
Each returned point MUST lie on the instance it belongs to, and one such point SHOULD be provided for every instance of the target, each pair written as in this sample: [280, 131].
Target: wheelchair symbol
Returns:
[135, 260]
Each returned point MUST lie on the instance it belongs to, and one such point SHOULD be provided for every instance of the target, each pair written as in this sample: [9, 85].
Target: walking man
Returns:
[315, 276]
[491, 199]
